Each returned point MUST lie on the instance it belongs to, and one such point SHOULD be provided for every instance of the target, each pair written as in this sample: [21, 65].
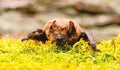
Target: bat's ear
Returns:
[52, 26]
[72, 29]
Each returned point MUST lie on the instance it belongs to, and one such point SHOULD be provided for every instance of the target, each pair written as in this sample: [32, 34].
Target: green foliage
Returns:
[34, 55]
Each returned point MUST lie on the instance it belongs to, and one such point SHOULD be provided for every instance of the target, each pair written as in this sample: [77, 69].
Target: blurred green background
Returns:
[100, 17]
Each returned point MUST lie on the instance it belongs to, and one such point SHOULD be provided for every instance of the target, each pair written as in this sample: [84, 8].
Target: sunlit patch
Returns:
[31, 54]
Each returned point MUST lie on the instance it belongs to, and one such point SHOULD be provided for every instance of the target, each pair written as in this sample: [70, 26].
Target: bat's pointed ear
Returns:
[72, 29]
[53, 23]
[52, 26]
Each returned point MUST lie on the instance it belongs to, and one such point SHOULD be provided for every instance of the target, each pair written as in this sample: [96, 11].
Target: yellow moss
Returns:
[34, 55]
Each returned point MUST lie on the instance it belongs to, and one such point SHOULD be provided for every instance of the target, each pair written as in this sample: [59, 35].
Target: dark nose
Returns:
[59, 37]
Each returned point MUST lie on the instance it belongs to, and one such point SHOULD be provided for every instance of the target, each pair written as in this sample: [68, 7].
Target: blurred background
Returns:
[100, 17]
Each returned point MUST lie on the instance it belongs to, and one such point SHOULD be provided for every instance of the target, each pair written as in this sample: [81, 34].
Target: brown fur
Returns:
[61, 31]
[63, 27]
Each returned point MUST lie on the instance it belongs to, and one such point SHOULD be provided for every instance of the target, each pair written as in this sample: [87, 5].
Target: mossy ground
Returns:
[33, 55]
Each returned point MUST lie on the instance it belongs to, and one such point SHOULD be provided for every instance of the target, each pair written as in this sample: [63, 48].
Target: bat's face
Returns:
[61, 32]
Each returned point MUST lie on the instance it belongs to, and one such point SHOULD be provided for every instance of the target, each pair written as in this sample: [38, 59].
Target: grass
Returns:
[33, 55]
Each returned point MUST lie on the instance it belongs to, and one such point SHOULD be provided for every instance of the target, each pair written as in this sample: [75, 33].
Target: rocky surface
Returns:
[100, 17]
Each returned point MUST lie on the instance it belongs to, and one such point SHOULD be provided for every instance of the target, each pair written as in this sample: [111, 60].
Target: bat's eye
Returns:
[51, 30]
[62, 29]
[65, 28]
